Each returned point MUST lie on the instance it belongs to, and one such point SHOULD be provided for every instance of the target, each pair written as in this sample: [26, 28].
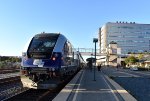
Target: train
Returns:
[48, 57]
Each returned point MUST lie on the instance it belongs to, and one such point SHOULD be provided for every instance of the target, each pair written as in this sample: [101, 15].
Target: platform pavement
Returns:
[84, 88]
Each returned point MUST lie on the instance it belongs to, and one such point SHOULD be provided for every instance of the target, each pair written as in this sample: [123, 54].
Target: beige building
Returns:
[130, 37]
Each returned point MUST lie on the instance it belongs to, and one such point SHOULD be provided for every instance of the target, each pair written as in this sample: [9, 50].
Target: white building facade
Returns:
[130, 37]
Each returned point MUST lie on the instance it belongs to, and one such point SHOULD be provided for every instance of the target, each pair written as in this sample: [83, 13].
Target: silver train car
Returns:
[48, 57]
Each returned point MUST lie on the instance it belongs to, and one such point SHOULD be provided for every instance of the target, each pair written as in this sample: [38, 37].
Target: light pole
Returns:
[95, 40]
[91, 62]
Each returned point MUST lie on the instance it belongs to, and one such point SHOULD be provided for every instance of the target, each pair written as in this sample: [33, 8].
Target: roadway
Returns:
[135, 82]
[125, 72]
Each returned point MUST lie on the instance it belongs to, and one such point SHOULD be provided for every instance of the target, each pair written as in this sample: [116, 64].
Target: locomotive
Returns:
[48, 57]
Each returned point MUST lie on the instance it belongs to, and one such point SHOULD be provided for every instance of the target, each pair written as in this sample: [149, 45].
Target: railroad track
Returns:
[9, 87]
[40, 94]
[34, 95]
[5, 71]
[10, 80]
[5, 94]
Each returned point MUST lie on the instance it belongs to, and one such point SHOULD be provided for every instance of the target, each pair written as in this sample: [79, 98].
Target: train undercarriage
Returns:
[42, 78]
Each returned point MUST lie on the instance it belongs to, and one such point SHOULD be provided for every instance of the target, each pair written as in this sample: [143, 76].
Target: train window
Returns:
[66, 48]
[49, 44]
[42, 44]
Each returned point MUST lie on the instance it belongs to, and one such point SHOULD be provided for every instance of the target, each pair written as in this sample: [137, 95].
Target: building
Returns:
[130, 37]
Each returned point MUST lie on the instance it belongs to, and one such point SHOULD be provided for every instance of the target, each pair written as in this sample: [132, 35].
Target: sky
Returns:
[78, 20]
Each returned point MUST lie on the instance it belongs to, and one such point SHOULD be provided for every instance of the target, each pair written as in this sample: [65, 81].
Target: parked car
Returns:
[134, 67]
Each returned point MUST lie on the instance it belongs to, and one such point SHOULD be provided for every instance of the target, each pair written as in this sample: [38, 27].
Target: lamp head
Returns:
[95, 39]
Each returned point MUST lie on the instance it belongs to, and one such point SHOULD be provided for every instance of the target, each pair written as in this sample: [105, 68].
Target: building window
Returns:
[140, 36]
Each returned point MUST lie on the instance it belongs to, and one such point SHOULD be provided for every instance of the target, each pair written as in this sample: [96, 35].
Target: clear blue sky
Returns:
[78, 20]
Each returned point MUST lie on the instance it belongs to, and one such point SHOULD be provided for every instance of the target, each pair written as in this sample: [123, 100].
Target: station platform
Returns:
[93, 85]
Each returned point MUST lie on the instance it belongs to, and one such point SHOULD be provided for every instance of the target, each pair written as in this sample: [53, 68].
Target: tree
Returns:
[131, 60]
[140, 56]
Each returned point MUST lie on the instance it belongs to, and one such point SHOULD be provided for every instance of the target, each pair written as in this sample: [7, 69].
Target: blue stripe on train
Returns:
[47, 62]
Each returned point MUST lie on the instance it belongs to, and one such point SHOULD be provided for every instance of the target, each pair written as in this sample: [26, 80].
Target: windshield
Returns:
[42, 43]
